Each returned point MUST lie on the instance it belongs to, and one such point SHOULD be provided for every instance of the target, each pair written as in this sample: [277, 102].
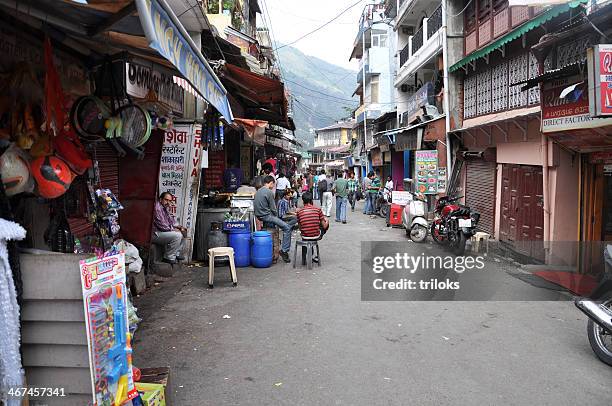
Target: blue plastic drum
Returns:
[261, 252]
[240, 241]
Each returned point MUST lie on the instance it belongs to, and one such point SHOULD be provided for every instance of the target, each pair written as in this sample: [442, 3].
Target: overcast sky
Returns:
[293, 18]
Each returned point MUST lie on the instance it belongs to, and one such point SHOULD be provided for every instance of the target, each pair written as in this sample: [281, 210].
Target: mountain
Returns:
[321, 91]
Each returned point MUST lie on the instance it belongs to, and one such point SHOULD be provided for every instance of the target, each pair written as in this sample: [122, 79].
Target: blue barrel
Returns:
[261, 252]
[240, 241]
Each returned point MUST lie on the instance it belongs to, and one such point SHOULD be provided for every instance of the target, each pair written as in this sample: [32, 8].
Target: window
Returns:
[374, 89]
[213, 7]
[470, 16]
[484, 9]
[379, 40]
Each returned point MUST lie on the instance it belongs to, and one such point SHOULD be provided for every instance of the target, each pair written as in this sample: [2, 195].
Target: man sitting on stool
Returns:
[313, 224]
[166, 231]
[265, 211]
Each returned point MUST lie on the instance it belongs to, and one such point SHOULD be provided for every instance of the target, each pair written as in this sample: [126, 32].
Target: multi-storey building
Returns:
[374, 49]
[524, 185]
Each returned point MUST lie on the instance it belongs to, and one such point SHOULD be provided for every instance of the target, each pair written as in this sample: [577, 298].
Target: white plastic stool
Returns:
[220, 252]
[478, 238]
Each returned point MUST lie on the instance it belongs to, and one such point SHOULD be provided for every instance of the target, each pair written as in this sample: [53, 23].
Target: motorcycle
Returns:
[414, 218]
[382, 204]
[453, 224]
[598, 307]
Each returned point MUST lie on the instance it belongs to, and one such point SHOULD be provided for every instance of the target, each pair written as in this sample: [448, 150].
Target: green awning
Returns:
[518, 32]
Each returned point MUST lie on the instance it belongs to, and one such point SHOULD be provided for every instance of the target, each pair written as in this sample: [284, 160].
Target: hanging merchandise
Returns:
[221, 133]
[15, 171]
[66, 143]
[53, 176]
[108, 331]
[11, 371]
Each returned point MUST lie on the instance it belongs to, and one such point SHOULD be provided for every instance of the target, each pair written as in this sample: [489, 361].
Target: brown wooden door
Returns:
[522, 216]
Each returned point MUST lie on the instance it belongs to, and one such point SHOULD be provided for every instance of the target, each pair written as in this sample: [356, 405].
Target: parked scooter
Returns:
[598, 307]
[453, 224]
[414, 218]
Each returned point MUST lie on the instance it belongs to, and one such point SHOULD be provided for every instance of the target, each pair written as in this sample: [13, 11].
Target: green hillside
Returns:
[321, 91]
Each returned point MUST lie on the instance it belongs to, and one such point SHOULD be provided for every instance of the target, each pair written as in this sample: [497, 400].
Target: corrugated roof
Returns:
[342, 124]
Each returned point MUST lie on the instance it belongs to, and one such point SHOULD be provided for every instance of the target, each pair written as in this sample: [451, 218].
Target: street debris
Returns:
[227, 316]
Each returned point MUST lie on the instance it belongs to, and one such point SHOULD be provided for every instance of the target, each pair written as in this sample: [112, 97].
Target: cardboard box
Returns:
[152, 394]
[159, 376]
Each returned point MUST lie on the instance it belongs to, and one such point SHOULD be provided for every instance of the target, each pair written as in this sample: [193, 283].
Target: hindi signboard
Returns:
[179, 174]
[426, 168]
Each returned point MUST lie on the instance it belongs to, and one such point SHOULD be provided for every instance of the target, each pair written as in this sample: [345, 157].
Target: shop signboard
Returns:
[400, 197]
[600, 80]
[168, 37]
[426, 168]
[179, 174]
[139, 80]
[422, 97]
[570, 112]
[377, 157]
[108, 330]
[602, 157]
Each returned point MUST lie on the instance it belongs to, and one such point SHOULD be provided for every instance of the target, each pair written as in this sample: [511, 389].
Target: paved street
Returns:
[300, 337]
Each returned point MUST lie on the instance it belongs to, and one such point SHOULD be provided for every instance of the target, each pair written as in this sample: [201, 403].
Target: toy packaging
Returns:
[108, 334]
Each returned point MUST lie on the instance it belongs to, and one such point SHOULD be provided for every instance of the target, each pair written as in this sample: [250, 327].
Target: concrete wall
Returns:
[54, 340]
[454, 38]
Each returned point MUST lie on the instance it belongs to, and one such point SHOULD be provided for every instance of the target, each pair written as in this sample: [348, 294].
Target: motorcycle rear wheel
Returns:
[384, 210]
[600, 339]
[434, 234]
[459, 245]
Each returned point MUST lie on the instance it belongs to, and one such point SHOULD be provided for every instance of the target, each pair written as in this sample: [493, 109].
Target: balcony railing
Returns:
[429, 28]
[417, 40]
[405, 54]
[434, 22]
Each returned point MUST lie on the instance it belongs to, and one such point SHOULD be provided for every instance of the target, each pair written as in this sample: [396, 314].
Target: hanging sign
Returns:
[167, 36]
[600, 80]
[179, 174]
[426, 168]
[108, 331]
[442, 180]
[377, 158]
[139, 80]
[213, 175]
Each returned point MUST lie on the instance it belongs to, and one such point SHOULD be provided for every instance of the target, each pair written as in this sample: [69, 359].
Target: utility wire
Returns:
[316, 91]
[311, 111]
[273, 37]
[321, 26]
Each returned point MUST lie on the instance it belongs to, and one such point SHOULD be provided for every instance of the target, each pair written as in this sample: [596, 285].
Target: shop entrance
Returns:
[522, 210]
[595, 215]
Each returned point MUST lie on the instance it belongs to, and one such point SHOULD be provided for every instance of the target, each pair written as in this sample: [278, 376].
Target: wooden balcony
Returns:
[497, 25]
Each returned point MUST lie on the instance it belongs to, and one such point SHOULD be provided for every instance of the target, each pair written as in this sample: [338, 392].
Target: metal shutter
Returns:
[480, 192]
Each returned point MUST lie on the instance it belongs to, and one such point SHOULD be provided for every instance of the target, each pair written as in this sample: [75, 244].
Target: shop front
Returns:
[92, 132]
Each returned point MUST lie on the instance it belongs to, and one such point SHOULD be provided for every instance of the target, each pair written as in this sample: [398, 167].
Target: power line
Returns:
[321, 26]
[316, 91]
[310, 111]
[273, 37]
[343, 103]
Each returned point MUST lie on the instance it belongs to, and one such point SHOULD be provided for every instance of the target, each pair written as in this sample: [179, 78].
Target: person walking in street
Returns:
[353, 188]
[340, 188]
[166, 231]
[322, 186]
[325, 190]
[282, 183]
[315, 186]
[367, 207]
[265, 211]
[373, 190]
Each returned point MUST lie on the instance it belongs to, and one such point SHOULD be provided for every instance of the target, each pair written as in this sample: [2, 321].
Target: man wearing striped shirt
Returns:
[313, 224]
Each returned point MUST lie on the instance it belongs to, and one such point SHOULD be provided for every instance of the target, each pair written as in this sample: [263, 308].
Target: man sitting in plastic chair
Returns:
[311, 220]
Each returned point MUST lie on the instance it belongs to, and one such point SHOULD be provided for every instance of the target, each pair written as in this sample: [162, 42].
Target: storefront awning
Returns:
[264, 98]
[568, 70]
[518, 32]
[255, 130]
[491, 119]
[168, 37]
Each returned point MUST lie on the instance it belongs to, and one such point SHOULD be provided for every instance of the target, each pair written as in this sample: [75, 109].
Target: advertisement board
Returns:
[139, 80]
[600, 80]
[179, 174]
[571, 112]
[426, 171]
